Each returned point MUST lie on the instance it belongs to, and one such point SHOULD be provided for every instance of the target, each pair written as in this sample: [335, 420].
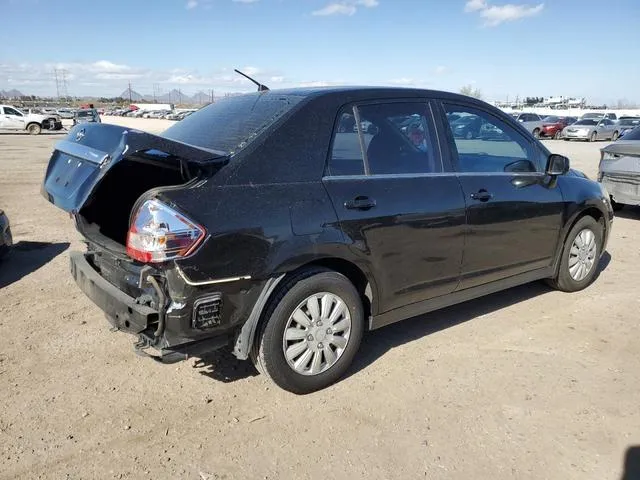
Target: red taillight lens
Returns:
[158, 233]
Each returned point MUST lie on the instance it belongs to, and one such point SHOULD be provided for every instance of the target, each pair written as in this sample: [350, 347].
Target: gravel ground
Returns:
[527, 384]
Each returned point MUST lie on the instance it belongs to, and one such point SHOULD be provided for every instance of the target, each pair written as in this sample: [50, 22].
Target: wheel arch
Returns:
[363, 282]
[591, 211]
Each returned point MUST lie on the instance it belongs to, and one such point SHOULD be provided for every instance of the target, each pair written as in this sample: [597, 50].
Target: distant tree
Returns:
[625, 103]
[469, 91]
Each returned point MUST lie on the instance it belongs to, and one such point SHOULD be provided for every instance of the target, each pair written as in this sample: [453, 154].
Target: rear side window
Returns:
[485, 143]
[233, 123]
[392, 138]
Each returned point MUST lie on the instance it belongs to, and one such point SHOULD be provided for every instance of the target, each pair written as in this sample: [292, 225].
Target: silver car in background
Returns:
[531, 121]
[619, 170]
[591, 129]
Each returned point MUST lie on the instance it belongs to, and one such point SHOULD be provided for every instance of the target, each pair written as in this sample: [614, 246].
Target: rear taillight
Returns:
[158, 233]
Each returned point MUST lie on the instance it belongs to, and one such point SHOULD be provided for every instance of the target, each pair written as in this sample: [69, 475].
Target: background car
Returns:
[619, 170]
[66, 113]
[6, 241]
[591, 129]
[626, 124]
[553, 125]
[530, 121]
[86, 115]
[468, 126]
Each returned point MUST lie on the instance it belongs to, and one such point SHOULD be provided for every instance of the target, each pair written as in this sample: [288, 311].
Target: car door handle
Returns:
[482, 195]
[360, 203]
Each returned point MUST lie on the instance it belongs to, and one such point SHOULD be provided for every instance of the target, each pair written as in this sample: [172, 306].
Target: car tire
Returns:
[593, 137]
[615, 136]
[468, 135]
[571, 277]
[34, 129]
[557, 135]
[536, 133]
[291, 303]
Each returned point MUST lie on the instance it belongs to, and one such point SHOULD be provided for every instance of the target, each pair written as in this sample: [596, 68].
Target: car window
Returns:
[11, 111]
[397, 138]
[346, 155]
[488, 144]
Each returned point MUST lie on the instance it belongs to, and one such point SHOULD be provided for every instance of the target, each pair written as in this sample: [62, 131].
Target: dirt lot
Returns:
[525, 384]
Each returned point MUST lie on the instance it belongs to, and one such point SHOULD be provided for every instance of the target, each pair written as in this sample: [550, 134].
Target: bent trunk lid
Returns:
[90, 150]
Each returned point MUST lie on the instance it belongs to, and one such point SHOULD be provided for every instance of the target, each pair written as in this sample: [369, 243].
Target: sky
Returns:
[581, 48]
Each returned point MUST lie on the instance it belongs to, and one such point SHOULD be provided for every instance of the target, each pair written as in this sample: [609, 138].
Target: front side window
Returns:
[397, 138]
[12, 111]
[484, 143]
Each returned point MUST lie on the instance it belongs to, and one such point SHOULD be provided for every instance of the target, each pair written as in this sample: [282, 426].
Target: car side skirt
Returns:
[454, 298]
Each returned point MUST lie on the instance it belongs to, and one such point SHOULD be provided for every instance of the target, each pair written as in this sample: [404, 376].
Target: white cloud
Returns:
[494, 15]
[475, 5]
[191, 4]
[440, 70]
[345, 7]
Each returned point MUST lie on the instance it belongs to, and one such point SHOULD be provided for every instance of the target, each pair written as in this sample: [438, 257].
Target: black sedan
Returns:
[6, 241]
[265, 224]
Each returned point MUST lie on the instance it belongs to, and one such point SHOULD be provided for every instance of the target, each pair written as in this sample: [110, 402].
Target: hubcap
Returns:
[582, 255]
[316, 333]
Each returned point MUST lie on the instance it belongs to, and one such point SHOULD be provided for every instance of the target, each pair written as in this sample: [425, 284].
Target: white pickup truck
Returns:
[12, 118]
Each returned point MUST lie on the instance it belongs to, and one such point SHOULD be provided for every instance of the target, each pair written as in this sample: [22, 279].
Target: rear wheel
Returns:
[580, 255]
[34, 129]
[615, 135]
[468, 135]
[557, 135]
[593, 137]
[311, 331]
[536, 133]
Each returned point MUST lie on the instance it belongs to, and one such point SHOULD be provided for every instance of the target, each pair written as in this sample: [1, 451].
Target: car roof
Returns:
[355, 92]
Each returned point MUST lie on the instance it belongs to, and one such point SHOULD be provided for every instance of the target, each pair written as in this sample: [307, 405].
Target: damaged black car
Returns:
[262, 224]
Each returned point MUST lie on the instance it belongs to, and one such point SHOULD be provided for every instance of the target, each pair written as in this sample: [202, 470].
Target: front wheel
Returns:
[557, 135]
[536, 133]
[34, 129]
[593, 137]
[311, 331]
[580, 255]
[615, 136]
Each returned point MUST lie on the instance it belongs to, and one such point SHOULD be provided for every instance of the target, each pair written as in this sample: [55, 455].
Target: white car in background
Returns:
[11, 118]
[531, 121]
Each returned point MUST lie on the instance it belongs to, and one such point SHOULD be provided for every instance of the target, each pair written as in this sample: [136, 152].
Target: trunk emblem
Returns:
[80, 135]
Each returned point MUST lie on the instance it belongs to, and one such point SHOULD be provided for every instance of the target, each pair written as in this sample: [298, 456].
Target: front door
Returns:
[12, 119]
[399, 208]
[514, 215]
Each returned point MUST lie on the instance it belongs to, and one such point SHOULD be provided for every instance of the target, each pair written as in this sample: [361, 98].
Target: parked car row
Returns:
[141, 113]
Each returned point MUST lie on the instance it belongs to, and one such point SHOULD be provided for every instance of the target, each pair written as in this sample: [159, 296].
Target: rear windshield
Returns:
[231, 124]
[632, 134]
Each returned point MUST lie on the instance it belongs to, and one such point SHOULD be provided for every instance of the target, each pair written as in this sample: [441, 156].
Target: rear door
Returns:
[514, 217]
[400, 207]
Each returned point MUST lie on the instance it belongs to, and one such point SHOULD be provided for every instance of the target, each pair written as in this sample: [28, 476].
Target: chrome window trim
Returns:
[209, 282]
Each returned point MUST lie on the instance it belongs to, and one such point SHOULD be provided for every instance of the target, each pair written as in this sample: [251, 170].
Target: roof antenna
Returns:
[261, 87]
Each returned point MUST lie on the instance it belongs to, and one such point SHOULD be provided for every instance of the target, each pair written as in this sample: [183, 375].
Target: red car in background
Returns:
[552, 125]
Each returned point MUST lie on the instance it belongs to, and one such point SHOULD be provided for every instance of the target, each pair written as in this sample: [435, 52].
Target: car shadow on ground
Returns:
[222, 366]
[26, 257]
[629, 212]
[376, 343]
[631, 464]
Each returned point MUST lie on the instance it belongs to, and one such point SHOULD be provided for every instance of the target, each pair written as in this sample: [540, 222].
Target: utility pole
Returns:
[156, 87]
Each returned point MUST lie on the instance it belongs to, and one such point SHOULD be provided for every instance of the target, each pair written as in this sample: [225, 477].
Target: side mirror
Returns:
[520, 120]
[557, 165]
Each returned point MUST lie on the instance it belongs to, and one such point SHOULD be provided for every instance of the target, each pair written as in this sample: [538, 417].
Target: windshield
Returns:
[629, 121]
[464, 120]
[84, 113]
[586, 122]
[232, 123]
[551, 118]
